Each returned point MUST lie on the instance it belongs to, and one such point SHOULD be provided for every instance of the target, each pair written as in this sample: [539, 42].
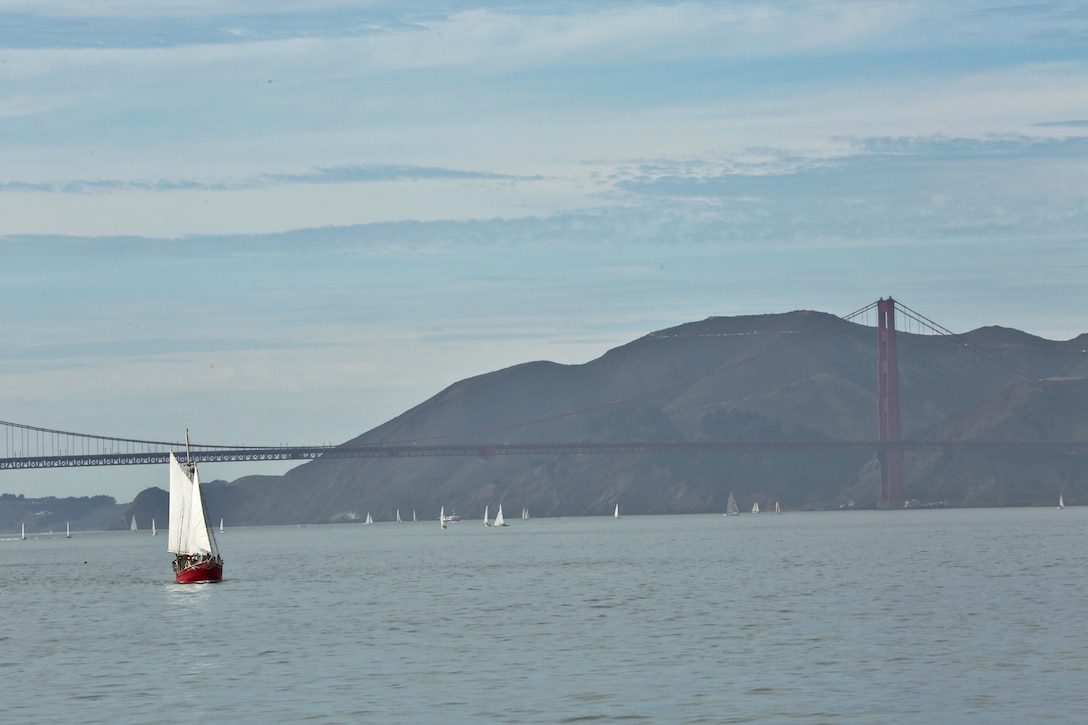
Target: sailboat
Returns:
[1061, 502]
[731, 507]
[153, 532]
[525, 514]
[442, 517]
[499, 520]
[413, 516]
[486, 521]
[755, 507]
[616, 513]
[22, 535]
[190, 539]
[398, 516]
[133, 527]
[220, 525]
[68, 529]
[368, 519]
[777, 508]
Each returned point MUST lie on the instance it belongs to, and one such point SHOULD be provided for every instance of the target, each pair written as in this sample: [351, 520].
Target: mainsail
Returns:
[188, 531]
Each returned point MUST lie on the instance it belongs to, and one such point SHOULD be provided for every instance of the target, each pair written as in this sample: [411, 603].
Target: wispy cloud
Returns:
[349, 174]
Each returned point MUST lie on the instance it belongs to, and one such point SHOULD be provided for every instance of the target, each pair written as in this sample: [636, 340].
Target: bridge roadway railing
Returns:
[489, 450]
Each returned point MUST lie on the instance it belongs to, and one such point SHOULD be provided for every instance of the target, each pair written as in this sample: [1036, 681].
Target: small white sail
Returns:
[133, 526]
[1061, 502]
[499, 520]
[22, 535]
[487, 522]
[616, 513]
[413, 516]
[755, 508]
[731, 507]
[524, 514]
[398, 516]
[153, 532]
[368, 519]
[777, 508]
[442, 517]
[68, 529]
[220, 525]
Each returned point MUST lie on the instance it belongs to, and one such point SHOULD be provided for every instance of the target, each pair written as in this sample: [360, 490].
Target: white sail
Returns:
[220, 525]
[777, 508]
[1061, 502]
[755, 508]
[413, 516]
[442, 517]
[188, 531]
[616, 513]
[368, 519]
[524, 514]
[731, 507]
[199, 540]
[153, 532]
[68, 530]
[486, 521]
[499, 520]
[398, 516]
[181, 493]
[22, 535]
[133, 527]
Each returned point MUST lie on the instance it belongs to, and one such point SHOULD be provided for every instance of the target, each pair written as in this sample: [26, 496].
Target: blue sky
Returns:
[288, 222]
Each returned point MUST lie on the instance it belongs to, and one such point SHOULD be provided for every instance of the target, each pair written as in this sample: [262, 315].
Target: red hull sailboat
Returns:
[191, 541]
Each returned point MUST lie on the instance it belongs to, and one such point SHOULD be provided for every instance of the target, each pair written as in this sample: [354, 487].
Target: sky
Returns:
[288, 222]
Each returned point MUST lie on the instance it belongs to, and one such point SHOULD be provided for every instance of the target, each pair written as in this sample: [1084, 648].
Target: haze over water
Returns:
[920, 616]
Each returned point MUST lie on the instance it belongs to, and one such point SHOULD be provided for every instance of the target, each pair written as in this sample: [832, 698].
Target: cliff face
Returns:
[801, 375]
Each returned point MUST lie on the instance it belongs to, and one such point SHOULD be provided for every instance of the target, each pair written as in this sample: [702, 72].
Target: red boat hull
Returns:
[205, 571]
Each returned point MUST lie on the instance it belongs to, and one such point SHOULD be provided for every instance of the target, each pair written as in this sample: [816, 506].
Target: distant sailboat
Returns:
[487, 522]
[499, 520]
[68, 530]
[777, 509]
[755, 507]
[731, 507]
[368, 519]
[413, 516]
[442, 517]
[616, 513]
[220, 525]
[22, 536]
[153, 532]
[133, 527]
[524, 514]
[398, 516]
[1061, 502]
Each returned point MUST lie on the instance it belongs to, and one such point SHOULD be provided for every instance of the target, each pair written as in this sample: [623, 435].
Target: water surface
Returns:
[838, 617]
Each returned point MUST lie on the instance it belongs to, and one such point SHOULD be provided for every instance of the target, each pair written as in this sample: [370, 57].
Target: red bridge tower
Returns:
[890, 454]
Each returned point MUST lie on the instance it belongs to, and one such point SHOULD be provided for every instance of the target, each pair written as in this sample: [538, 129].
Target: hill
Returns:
[798, 375]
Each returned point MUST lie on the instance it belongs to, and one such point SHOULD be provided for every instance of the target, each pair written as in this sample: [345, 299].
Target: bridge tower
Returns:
[889, 456]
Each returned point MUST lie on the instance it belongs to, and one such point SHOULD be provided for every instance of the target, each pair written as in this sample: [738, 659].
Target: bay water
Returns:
[936, 616]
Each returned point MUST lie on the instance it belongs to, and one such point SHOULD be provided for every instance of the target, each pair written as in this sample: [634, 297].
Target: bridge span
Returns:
[231, 454]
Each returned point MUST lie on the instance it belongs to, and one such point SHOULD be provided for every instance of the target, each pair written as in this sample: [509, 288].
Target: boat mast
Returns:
[189, 465]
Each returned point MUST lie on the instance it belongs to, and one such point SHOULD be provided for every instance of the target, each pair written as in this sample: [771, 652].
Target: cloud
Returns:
[1079, 123]
[348, 174]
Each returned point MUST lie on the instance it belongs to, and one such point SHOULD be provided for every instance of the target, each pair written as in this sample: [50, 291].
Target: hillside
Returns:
[799, 375]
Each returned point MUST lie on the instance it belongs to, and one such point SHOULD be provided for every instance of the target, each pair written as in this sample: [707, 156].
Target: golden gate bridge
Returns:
[27, 446]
